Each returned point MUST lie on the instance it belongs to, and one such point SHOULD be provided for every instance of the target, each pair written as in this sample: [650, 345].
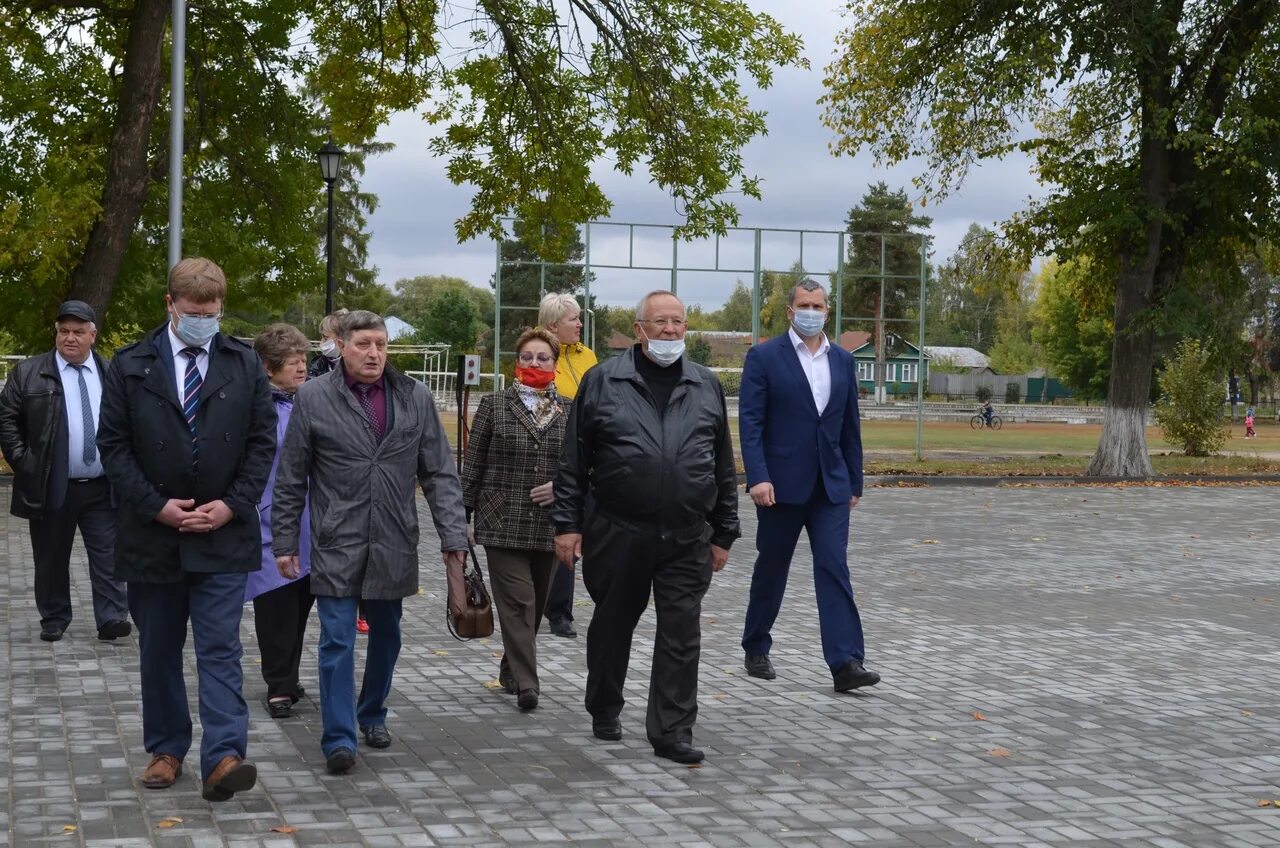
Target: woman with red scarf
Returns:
[511, 458]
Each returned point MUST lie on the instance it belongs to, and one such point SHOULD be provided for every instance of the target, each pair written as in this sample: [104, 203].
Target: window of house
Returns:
[866, 370]
[890, 372]
[909, 371]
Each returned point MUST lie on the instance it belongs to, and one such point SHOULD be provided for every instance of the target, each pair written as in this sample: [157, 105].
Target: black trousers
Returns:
[560, 598]
[621, 566]
[280, 619]
[87, 506]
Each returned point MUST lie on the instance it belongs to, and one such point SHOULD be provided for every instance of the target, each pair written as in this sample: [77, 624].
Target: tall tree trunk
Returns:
[1122, 448]
[124, 188]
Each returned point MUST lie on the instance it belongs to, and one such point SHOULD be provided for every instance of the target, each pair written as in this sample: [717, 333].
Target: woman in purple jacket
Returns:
[281, 606]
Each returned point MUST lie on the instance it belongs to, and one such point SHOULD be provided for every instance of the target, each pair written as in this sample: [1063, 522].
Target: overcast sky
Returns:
[804, 187]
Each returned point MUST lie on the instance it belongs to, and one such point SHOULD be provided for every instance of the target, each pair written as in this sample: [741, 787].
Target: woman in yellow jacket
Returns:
[562, 316]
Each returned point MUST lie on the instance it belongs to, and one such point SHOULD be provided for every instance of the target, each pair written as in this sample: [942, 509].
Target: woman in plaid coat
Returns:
[512, 455]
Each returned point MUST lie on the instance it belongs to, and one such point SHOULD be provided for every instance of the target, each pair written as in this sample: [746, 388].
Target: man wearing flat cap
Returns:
[48, 431]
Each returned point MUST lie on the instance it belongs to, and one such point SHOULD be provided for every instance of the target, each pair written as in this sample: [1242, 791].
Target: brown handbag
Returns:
[476, 619]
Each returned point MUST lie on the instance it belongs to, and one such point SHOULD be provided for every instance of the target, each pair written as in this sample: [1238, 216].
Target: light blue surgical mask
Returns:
[197, 330]
[666, 351]
[809, 322]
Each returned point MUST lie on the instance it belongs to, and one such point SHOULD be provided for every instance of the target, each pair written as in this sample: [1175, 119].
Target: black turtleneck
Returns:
[661, 381]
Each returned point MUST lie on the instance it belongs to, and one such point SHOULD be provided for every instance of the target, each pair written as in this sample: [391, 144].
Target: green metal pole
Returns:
[920, 360]
[755, 293]
[590, 336]
[497, 315]
[882, 344]
[839, 286]
[675, 259]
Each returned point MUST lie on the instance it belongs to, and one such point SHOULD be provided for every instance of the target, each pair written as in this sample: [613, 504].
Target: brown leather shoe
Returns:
[228, 777]
[163, 772]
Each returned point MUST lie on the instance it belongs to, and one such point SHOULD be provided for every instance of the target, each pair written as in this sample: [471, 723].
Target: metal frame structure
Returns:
[757, 271]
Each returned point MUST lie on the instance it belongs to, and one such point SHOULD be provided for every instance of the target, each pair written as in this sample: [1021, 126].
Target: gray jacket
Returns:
[364, 514]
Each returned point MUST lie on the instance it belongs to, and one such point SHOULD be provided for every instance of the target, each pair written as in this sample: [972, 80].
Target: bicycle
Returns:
[978, 421]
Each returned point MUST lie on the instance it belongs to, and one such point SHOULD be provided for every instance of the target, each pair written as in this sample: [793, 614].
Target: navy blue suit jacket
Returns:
[784, 440]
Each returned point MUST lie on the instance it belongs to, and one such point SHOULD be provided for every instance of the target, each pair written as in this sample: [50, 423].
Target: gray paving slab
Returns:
[1068, 666]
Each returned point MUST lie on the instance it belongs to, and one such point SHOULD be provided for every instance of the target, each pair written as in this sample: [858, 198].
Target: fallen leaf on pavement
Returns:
[69, 828]
[441, 653]
[928, 541]
[492, 684]
[1264, 802]
[978, 716]
[1246, 712]
[168, 822]
[283, 828]
[1000, 752]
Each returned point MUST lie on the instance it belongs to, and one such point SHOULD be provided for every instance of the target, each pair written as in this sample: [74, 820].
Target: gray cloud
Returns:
[804, 187]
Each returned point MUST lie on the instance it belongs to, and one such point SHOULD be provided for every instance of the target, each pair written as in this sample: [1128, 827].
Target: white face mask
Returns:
[329, 348]
[809, 322]
[666, 351]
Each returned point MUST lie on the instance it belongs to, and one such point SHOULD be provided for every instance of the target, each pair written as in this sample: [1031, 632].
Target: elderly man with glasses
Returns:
[647, 495]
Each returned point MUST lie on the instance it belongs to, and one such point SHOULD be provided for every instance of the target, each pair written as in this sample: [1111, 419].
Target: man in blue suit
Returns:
[802, 447]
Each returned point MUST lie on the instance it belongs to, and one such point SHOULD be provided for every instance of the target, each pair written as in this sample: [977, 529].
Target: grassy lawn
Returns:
[953, 448]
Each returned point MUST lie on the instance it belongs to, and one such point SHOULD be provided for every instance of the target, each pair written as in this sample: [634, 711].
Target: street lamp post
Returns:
[330, 157]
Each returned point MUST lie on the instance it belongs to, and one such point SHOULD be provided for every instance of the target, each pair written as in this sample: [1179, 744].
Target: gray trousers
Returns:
[87, 506]
[520, 581]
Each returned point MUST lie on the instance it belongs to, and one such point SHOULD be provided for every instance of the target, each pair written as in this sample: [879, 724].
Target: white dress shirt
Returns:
[180, 361]
[76, 468]
[816, 366]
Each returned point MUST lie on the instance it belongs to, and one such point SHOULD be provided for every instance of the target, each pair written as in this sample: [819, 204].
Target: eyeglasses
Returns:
[540, 358]
[677, 323]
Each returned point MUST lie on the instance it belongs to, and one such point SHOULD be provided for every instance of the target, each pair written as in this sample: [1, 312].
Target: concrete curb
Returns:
[1049, 480]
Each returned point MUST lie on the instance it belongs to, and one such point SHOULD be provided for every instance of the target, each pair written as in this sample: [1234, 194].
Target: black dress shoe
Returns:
[281, 708]
[113, 630]
[680, 752]
[852, 675]
[51, 632]
[758, 665]
[563, 627]
[340, 761]
[528, 700]
[608, 729]
[508, 682]
[376, 736]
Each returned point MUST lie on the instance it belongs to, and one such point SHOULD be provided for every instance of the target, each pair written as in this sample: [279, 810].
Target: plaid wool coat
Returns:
[506, 457]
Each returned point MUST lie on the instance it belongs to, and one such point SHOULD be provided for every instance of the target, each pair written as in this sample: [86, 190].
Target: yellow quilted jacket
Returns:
[574, 361]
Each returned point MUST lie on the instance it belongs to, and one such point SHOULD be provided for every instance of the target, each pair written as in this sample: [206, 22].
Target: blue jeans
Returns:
[213, 603]
[339, 709]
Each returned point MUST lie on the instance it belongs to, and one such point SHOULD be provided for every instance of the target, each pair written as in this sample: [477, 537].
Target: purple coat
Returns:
[268, 577]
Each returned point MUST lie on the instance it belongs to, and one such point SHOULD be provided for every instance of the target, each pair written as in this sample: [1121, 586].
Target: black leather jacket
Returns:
[32, 428]
[667, 473]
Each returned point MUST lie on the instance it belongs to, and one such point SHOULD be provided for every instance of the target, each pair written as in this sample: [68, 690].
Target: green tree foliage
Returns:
[698, 349]
[885, 238]
[1015, 351]
[969, 291]
[413, 295]
[1073, 326]
[528, 95]
[1189, 411]
[737, 310]
[1155, 123]
[451, 317]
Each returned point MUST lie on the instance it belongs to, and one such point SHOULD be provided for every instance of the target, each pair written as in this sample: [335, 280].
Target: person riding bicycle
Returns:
[986, 412]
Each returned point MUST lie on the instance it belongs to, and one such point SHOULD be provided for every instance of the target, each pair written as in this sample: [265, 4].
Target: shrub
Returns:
[1012, 392]
[1189, 409]
[983, 393]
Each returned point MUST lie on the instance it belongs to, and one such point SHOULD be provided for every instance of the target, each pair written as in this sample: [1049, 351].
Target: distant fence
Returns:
[1030, 389]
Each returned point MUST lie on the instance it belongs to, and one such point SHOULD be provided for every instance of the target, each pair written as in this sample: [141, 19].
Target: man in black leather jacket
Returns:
[647, 494]
[48, 425]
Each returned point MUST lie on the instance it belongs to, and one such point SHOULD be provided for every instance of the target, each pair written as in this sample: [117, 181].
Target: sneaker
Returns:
[362, 625]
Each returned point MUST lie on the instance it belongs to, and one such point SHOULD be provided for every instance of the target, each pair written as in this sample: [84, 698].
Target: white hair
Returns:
[642, 306]
[555, 307]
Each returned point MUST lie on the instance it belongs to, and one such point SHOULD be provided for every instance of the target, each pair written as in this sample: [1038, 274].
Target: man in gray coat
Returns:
[358, 438]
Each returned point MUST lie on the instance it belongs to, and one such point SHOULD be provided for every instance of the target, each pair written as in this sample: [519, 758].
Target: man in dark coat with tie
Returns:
[802, 448]
[188, 437]
[48, 432]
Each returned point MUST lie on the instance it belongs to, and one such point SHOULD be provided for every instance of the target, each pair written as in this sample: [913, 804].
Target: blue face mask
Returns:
[809, 322]
[196, 330]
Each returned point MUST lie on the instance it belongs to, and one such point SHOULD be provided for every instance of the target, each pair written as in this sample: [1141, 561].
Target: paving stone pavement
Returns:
[1062, 666]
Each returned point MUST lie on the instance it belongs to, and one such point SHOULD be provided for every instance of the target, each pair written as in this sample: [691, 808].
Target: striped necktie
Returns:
[89, 449]
[191, 383]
